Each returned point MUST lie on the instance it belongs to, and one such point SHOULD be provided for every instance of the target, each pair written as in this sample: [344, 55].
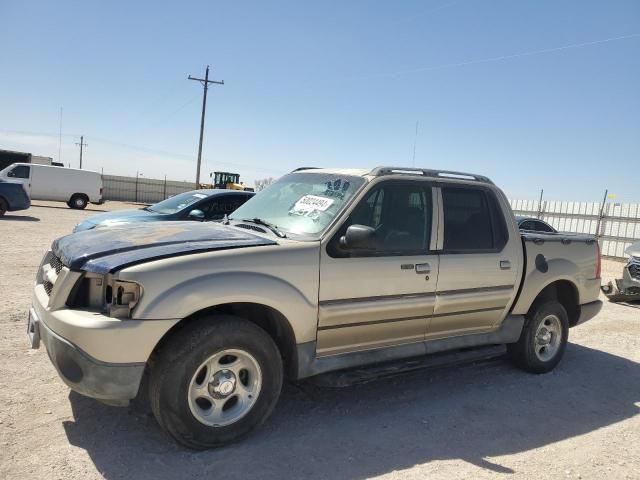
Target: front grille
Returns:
[634, 270]
[56, 263]
[51, 262]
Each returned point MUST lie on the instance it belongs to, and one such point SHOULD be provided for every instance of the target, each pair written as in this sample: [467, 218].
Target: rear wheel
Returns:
[3, 206]
[215, 381]
[543, 339]
[78, 201]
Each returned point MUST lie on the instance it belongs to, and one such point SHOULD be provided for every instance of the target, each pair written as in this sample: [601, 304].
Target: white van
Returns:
[46, 182]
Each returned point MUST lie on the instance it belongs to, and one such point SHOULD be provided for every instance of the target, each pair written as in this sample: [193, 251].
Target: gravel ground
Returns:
[482, 421]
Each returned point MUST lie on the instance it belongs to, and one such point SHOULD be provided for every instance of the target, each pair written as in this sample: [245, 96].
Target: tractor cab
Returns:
[229, 181]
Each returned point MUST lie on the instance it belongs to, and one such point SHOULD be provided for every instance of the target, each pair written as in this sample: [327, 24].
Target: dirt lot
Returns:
[483, 421]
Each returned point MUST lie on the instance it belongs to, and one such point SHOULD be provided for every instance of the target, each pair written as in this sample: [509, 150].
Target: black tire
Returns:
[178, 361]
[78, 201]
[4, 206]
[526, 353]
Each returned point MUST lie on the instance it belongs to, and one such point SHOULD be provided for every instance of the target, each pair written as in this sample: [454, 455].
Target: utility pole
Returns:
[82, 144]
[601, 214]
[205, 83]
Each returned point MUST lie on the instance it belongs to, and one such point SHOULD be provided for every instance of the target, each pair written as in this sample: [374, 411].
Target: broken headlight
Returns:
[121, 297]
[115, 298]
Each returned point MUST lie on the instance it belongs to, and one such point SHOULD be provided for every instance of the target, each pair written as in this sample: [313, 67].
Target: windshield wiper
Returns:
[270, 226]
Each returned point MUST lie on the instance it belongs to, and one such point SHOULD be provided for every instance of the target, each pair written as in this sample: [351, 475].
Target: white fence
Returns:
[617, 225]
[141, 189]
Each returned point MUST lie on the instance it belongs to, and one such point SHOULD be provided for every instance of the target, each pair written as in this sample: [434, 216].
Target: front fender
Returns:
[209, 290]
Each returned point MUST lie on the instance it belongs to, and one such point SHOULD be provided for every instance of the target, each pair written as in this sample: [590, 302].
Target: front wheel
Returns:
[215, 381]
[543, 339]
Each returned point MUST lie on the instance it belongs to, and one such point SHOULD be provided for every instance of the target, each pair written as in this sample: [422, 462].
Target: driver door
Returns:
[385, 296]
[21, 173]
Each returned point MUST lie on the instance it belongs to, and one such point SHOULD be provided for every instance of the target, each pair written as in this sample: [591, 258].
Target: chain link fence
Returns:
[141, 189]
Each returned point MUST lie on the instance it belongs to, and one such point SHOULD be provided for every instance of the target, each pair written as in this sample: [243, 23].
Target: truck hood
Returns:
[107, 250]
[633, 250]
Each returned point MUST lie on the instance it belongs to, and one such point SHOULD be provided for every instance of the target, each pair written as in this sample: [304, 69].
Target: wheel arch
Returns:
[566, 293]
[272, 321]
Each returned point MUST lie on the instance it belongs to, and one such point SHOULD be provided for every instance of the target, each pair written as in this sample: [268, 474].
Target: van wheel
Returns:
[78, 201]
[543, 339]
[3, 206]
[214, 381]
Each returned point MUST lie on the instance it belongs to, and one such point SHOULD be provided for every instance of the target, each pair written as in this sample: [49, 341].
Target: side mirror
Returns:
[359, 237]
[197, 215]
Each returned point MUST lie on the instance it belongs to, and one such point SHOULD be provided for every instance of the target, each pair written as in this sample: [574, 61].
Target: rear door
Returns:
[383, 297]
[478, 263]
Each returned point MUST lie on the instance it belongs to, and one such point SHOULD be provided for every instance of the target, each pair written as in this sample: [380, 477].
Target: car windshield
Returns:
[301, 203]
[177, 203]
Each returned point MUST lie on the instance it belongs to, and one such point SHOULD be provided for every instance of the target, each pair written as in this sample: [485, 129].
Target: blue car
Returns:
[200, 205]
[13, 197]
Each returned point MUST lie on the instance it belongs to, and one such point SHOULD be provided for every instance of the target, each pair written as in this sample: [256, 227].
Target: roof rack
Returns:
[380, 171]
[299, 169]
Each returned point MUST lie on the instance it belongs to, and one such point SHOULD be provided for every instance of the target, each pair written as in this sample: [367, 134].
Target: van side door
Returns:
[479, 263]
[384, 296]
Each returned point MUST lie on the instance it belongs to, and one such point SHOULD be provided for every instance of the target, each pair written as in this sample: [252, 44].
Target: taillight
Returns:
[598, 260]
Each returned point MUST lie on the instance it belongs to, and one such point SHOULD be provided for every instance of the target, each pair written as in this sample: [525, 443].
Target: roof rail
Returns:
[299, 169]
[380, 171]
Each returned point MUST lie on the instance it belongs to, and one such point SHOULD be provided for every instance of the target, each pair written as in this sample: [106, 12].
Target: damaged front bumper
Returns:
[112, 383]
[626, 289]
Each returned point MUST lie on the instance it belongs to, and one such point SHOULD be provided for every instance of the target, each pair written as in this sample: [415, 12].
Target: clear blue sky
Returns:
[333, 83]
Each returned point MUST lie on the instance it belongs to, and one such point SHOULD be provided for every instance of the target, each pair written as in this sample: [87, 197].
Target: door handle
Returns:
[422, 268]
[505, 265]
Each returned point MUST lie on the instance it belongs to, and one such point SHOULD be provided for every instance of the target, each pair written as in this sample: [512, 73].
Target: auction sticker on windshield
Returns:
[311, 203]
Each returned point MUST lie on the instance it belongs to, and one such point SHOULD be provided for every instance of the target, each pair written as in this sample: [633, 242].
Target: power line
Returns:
[205, 83]
[141, 148]
[507, 57]
[170, 115]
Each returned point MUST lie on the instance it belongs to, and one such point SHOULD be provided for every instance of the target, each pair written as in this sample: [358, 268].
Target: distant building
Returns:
[9, 157]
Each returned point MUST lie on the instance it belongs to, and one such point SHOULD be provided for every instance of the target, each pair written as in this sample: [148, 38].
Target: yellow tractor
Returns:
[229, 181]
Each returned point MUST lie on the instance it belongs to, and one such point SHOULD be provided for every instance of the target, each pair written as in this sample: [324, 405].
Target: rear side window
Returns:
[542, 227]
[21, 171]
[528, 225]
[473, 221]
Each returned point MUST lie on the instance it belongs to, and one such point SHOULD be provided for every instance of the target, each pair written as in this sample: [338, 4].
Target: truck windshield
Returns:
[301, 203]
[177, 203]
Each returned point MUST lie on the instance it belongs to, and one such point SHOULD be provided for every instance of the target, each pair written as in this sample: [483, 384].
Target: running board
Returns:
[361, 375]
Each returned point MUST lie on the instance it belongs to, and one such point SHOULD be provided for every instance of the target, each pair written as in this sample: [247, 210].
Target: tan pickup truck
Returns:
[322, 271]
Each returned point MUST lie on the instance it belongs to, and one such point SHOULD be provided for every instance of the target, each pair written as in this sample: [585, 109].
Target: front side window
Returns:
[21, 171]
[473, 221]
[301, 203]
[542, 227]
[399, 212]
